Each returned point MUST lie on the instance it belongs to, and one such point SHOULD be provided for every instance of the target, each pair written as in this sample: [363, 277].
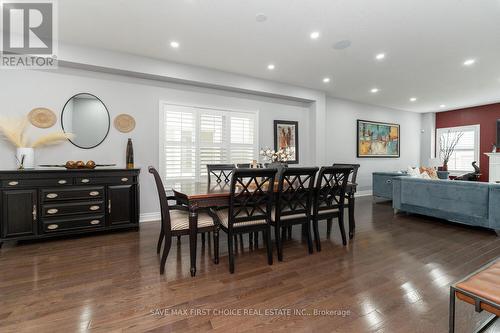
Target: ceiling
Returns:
[425, 43]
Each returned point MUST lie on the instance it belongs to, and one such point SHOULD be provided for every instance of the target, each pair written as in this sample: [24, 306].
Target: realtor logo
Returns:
[28, 34]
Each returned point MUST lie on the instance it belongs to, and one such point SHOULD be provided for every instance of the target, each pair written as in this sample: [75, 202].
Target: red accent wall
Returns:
[486, 116]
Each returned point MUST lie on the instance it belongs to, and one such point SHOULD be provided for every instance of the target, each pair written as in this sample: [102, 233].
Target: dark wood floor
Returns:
[393, 277]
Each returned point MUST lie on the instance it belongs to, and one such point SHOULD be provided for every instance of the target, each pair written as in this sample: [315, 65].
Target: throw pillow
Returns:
[430, 171]
[413, 172]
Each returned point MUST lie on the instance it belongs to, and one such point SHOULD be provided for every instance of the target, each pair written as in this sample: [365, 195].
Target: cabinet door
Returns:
[19, 213]
[121, 204]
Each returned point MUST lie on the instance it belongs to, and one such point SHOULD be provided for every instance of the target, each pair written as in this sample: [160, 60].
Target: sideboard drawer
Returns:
[125, 180]
[73, 223]
[14, 183]
[86, 207]
[72, 193]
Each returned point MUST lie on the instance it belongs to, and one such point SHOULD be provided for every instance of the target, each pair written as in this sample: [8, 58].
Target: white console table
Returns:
[494, 167]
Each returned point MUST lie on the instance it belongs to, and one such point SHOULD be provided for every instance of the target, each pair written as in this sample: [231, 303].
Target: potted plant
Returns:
[447, 144]
[13, 129]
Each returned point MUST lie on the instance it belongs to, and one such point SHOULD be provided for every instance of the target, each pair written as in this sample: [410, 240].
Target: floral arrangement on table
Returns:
[281, 156]
[447, 144]
[13, 130]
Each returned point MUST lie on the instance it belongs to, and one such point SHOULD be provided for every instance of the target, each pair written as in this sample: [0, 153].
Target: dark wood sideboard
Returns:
[42, 203]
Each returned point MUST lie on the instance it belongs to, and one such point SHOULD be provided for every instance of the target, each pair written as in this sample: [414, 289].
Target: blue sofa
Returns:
[471, 203]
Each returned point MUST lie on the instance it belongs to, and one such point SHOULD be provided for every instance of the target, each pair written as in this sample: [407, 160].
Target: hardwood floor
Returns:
[393, 277]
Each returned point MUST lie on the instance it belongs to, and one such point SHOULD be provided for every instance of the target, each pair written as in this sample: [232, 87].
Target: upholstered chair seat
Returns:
[179, 220]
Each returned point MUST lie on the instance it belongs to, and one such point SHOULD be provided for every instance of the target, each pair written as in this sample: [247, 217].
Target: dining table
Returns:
[201, 196]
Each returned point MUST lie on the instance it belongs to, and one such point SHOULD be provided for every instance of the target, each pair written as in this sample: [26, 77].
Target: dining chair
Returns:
[350, 199]
[293, 204]
[248, 165]
[176, 223]
[220, 173]
[250, 205]
[329, 201]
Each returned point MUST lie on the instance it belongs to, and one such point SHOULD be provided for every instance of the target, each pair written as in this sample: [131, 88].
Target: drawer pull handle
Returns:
[62, 182]
[94, 222]
[13, 183]
[34, 213]
[52, 226]
[94, 207]
[85, 180]
[124, 179]
[94, 193]
[388, 181]
[52, 211]
[52, 195]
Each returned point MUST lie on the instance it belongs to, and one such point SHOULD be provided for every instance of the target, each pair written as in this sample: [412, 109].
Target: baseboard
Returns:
[366, 193]
[150, 217]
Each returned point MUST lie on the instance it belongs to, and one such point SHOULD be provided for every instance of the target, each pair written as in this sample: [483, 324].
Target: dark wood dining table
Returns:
[199, 196]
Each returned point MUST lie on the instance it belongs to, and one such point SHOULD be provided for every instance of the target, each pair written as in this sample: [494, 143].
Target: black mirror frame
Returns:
[107, 111]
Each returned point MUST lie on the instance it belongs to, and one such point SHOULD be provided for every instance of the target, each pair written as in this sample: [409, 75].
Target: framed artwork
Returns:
[377, 139]
[286, 134]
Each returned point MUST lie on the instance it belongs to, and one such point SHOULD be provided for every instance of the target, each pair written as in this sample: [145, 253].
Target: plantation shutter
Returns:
[194, 137]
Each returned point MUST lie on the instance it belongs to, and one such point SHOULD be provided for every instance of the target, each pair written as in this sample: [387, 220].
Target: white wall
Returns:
[428, 142]
[341, 116]
[22, 91]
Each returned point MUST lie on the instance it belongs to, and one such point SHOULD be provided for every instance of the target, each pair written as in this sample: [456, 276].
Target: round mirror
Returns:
[87, 118]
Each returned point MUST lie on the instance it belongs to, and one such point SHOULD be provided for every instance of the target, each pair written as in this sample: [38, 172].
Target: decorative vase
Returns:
[130, 155]
[25, 158]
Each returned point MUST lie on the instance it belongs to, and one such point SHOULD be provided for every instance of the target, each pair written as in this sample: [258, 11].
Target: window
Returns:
[466, 150]
[192, 137]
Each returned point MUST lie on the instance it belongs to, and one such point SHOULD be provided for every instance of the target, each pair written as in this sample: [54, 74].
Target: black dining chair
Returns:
[176, 223]
[248, 165]
[350, 199]
[293, 204]
[329, 199]
[250, 206]
[220, 173]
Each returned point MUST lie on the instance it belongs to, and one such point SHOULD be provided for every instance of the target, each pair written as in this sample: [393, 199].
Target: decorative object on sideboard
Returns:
[77, 165]
[447, 144]
[124, 123]
[493, 148]
[42, 117]
[13, 129]
[87, 117]
[277, 159]
[376, 139]
[130, 155]
[286, 136]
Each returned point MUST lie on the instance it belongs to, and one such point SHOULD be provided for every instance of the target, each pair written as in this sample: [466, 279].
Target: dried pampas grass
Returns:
[13, 130]
[51, 139]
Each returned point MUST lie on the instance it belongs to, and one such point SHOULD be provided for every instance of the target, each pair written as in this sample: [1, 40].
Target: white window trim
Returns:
[161, 133]
[477, 142]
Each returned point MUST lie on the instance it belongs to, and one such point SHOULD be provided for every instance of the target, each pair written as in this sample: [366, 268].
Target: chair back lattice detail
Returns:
[220, 173]
[331, 187]
[295, 191]
[165, 210]
[252, 195]
[354, 173]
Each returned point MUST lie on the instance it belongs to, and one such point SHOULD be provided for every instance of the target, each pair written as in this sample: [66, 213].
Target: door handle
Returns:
[34, 213]
[109, 206]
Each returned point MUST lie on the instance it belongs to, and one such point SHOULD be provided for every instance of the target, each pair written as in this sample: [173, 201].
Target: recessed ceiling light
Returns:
[326, 80]
[413, 99]
[442, 106]
[380, 56]
[174, 44]
[374, 90]
[469, 62]
[261, 17]
[271, 67]
[314, 35]
[342, 44]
